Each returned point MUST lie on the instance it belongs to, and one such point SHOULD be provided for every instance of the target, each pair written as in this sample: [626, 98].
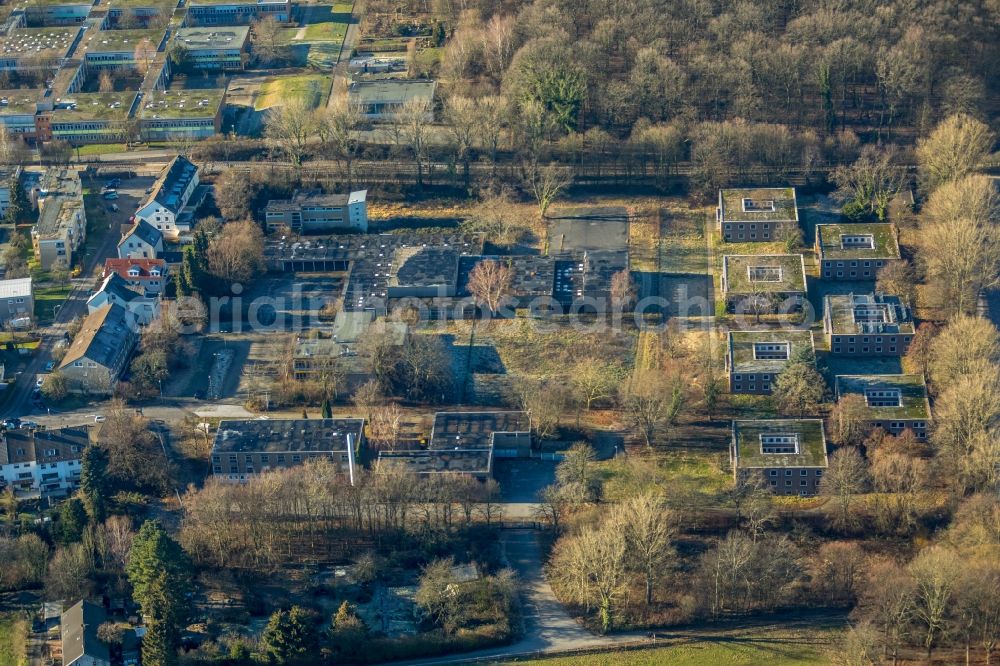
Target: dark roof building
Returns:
[243, 448]
[465, 443]
[101, 350]
[80, 644]
[173, 182]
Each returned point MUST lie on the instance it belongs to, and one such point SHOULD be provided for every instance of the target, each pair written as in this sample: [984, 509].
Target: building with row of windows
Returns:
[61, 228]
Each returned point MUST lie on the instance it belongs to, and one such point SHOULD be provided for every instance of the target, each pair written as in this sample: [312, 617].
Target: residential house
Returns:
[463, 443]
[339, 360]
[754, 359]
[17, 305]
[243, 448]
[100, 351]
[150, 276]
[315, 212]
[767, 283]
[80, 643]
[894, 402]
[165, 207]
[855, 251]
[866, 325]
[141, 241]
[757, 214]
[62, 220]
[788, 454]
[115, 290]
[42, 461]
[215, 49]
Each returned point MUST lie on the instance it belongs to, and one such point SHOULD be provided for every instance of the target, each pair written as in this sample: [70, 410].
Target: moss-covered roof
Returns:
[788, 274]
[808, 434]
[867, 314]
[94, 106]
[829, 241]
[120, 41]
[912, 392]
[760, 204]
[181, 104]
[741, 349]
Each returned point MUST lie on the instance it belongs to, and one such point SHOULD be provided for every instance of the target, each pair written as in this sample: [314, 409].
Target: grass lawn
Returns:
[775, 647]
[13, 640]
[314, 88]
[682, 246]
[100, 149]
[46, 300]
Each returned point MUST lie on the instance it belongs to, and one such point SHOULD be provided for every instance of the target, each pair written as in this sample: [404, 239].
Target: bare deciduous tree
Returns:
[845, 477]
[956, 148]
[289, 126]
[490, 282]
[496, 217]
[546, 184]
[870, 183]
[237, 252]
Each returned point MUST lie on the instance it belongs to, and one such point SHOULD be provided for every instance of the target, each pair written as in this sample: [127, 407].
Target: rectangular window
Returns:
[779, 443]
[771, 351]
[864, 241]
[764, 273]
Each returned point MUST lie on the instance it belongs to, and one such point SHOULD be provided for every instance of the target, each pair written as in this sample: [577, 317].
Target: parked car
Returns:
[110, 195]
[40, 381]
[12, 424]
[113, 208]
[28, 425]
[99, 418]
[49, 366]
[113, 184]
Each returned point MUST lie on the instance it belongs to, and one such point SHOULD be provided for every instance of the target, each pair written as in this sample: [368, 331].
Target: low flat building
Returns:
[62, 220]
[17, 303]
[164, 208]
[423, 272]
[465, 443]
[121, 49]
[42, 461]
[236, 12]
[340, 360]
[100, 352]
[173, 115]
[789, 454]
[315, 212]
[215, 49]
[855, 251]
[18, 111]
[243, 448]
[37, 49]
[150, 276]
[82, 118]
[867, 325]
[894, 403]
[754, 359]
[761, 214]
[767, 283]
[134, 14]
[382, 99]
[115, 290]
[49, 13]
[141, 241]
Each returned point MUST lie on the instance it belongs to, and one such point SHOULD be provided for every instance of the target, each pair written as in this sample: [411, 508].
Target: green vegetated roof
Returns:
[792, 275]
[828, 241]
[162, 6]
[772, 204]
[38, 42]
[181, 104]
[913, 394]
[115, 41]
[94, 106]
[19, 101]
[808, 432]
[841, 310]
[741, 349]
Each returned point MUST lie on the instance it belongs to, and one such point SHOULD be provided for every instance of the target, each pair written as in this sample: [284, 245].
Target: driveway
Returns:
[547, 625]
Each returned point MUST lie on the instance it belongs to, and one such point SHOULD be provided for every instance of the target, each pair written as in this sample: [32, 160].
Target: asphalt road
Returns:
[18, 401]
